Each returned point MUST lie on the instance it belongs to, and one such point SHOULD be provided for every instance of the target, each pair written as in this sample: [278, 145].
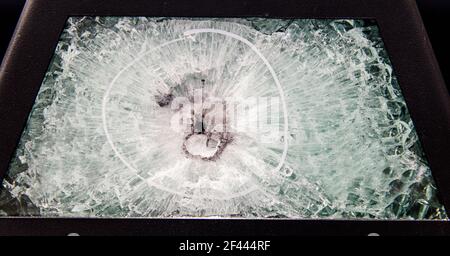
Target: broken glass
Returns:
[218, 117]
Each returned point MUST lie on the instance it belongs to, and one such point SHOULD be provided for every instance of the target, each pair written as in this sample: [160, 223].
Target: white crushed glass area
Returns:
[220, 117]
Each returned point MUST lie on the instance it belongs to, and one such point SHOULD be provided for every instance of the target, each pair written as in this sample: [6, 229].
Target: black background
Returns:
[435, 14]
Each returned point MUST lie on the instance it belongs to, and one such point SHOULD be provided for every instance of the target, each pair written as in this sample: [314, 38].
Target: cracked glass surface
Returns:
[195, 117]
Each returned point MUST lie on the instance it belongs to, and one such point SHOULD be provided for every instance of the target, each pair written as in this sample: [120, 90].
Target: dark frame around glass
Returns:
[401, 28]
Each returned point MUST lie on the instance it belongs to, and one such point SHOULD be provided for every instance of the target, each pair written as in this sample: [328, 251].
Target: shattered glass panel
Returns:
[196, 117]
